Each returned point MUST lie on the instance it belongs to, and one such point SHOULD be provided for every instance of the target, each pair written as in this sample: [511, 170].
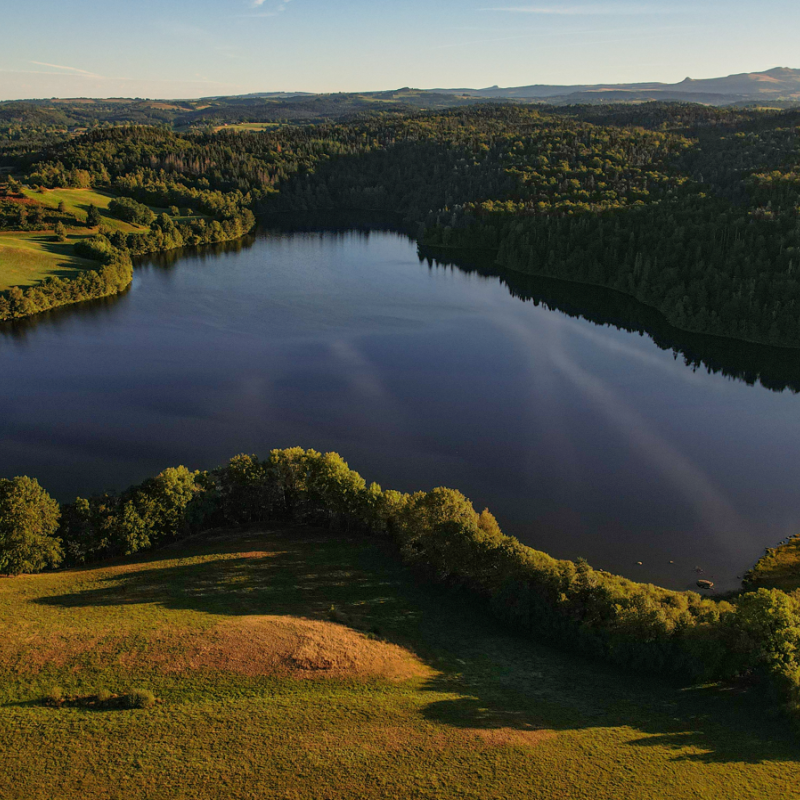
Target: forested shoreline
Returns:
[754, 636]
[692, 211]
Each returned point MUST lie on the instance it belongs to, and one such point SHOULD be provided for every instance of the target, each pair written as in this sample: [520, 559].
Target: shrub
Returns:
[54, 696]
[96, 248]
[140, 698]
[28, 524]
[129, 210]
[93, 218]
[109, 279]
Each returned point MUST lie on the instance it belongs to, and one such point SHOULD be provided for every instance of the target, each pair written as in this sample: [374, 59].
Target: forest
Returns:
[691, 210]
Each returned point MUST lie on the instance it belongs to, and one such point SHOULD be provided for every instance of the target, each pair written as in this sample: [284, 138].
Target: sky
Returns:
[197, 48]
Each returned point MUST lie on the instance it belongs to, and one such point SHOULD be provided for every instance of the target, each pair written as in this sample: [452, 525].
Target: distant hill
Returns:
[780, 85]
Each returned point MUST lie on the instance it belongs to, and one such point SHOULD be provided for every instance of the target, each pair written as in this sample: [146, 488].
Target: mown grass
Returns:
[479, 713]
[778, 568]
[77, 202]
[28, 258]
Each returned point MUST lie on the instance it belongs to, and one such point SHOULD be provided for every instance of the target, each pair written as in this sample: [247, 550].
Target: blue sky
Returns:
[194, 48]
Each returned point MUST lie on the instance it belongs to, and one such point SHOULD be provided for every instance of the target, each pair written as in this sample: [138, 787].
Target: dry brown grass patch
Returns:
[275, 645]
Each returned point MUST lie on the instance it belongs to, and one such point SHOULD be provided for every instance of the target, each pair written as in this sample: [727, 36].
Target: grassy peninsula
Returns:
[227, 594]
[299, 662]
[778, 568]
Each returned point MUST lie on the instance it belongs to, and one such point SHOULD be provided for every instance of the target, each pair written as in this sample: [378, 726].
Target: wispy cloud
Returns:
[69, 69]
[73, 72]
[634, 36]
[580, 11]
[258, 5]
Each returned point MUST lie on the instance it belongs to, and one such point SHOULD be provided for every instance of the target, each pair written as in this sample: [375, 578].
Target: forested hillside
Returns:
[691, 210]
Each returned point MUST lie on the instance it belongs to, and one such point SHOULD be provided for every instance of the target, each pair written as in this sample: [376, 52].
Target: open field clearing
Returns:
[248, 126]
[778, 568]
[77, 202]
[28, 258]
[295, 663]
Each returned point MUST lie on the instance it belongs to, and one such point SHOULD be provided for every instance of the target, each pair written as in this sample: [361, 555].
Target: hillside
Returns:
[295, 663]
[781, 84]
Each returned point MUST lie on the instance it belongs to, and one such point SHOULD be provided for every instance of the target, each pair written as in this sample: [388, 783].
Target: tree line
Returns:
[439, 533]
[693, 211]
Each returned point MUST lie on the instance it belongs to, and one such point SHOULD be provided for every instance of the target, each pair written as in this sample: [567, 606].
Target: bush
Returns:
[96, 248]
[140, 698]
[93, 218]
[28, 524]
[129, 210]
[54, 696]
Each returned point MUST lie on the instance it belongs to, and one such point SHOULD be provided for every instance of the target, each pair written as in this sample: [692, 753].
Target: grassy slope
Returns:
[264, 697]
[778, 568]
[77, 202]
[28, 258]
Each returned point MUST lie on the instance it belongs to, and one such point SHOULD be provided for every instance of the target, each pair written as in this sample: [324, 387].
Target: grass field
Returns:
[248, 126]
[402, 691]
[77, 202]
[778, 568]
[28, 258]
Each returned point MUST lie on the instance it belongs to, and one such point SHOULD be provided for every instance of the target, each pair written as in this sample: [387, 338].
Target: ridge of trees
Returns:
[438, 533]
[690, 210]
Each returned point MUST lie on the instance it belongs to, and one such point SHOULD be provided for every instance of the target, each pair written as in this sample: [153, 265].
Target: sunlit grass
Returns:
[77, 202]
[778, 568]
[265, 696]
[28, 258]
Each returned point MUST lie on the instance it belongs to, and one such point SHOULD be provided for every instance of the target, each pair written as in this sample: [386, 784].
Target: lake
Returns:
[587, 426]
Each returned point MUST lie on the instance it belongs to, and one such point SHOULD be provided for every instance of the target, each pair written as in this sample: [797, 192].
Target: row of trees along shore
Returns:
[692, 210]
[755, 635]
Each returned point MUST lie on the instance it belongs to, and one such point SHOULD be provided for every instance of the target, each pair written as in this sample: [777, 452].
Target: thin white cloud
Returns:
[580, 11]
[274, 12]
[91, 76]
[70, 69]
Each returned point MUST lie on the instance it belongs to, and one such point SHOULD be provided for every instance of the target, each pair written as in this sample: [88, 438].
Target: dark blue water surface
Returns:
[583, 439]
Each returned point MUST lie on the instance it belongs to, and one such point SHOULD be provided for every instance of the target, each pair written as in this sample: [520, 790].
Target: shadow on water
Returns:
[774, 368]
[96, 311]
[169, 258]
[491, 678]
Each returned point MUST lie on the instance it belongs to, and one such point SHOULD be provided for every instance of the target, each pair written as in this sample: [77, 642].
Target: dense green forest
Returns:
[691, 210]
[755, 635]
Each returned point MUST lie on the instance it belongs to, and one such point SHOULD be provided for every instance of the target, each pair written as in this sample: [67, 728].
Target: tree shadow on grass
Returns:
[491, 679]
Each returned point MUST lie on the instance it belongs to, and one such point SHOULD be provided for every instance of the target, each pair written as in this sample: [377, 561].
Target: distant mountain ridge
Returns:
[781, 84]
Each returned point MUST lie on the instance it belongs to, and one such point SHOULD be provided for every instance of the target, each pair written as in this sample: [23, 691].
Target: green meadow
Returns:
[248, 126]
[28, 258]
[297, 663]
[778, 568]
[77, 202]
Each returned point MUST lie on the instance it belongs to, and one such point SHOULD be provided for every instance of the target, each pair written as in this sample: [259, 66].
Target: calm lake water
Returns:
[584, 439]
